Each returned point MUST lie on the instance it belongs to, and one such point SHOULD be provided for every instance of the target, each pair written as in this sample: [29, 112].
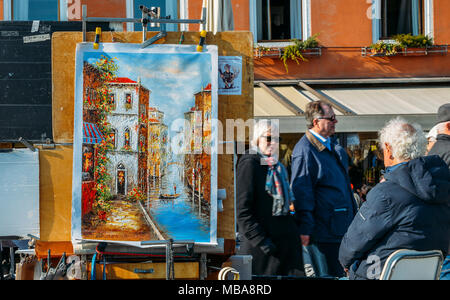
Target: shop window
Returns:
[88, 163]
[401, 17]
[365, 158]
[278, 20]
[30, 10]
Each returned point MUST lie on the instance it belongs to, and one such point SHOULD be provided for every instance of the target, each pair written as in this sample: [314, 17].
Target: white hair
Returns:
[261, 127]
[407, 140]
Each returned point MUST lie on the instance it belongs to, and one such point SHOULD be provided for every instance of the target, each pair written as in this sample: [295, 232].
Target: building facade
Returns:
[128, 155]
[197, 158]
[157, 143]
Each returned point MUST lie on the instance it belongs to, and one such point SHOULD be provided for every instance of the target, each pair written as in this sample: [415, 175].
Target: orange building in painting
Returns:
[198, 145]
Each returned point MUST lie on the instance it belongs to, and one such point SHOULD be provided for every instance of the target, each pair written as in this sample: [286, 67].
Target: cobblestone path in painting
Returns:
[125, 222]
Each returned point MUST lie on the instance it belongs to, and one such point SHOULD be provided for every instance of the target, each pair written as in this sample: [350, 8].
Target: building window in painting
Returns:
[142, 143]
[127, 138]
[128, 101]
[112, 101]
[112, 138]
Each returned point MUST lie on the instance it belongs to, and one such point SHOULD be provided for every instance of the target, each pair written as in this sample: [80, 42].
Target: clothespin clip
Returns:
[181, 38]
[98, 31]
[202, 41]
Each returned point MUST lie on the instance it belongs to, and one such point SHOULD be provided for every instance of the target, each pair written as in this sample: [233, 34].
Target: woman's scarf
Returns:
[277, 186]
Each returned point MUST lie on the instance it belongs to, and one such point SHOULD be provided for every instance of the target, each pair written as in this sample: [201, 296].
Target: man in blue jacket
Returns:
[409, 210]
[320, 182]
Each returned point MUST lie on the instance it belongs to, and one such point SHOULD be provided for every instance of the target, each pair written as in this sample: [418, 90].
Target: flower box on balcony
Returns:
[429, 50]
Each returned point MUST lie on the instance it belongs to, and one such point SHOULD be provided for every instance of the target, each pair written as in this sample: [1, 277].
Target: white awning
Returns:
[358, 109]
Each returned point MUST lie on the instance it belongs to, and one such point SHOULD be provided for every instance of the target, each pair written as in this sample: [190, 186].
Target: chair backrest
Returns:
[407, 264]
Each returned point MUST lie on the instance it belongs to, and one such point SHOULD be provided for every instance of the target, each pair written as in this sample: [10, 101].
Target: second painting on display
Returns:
[143, 168]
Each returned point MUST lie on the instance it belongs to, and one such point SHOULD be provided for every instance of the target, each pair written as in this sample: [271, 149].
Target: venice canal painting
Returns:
[143, 137]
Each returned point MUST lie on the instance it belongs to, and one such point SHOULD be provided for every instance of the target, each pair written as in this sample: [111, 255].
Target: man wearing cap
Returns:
[442, 145]
[442, 148]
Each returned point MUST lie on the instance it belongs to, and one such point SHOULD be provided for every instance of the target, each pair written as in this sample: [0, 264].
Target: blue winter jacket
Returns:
[324, 203]
[410, 210]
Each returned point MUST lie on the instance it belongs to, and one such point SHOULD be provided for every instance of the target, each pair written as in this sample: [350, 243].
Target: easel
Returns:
[151, 16]
[57, 163]
[148, 16]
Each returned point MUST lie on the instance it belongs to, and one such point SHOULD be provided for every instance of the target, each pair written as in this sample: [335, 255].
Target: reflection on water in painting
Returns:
[180, 218]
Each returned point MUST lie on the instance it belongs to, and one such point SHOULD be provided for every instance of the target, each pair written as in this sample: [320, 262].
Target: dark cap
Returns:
[443, 114]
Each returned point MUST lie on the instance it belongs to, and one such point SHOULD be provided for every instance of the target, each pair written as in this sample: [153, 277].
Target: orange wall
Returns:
[194, 12]
[343, 28]
[1, 10]
[342, 23]
[442, 22]
[241, 14]
[104, 8]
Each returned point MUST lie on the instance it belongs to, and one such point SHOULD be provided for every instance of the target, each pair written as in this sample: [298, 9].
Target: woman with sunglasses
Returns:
[267, 230]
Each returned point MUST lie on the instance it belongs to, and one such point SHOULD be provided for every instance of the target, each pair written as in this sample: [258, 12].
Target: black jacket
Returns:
[442, 148]
[410, 210]
[272, 241]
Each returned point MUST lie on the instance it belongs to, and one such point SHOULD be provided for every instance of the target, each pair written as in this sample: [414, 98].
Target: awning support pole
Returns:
[338, 106]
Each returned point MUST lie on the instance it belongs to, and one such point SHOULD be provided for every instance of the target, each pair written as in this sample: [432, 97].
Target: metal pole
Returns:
[84, 20]
[193, 184]
[199, 195]
[135, 20]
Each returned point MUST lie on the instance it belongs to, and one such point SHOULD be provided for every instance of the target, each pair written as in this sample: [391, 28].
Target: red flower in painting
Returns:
[102, 215]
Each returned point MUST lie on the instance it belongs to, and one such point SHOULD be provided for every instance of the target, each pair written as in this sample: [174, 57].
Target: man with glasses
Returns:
[324, 203]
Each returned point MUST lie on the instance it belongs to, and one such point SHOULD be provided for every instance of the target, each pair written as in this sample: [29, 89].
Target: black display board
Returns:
[26, 78]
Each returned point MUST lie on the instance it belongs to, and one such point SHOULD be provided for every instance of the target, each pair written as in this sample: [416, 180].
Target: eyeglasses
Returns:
[269, 139]
[331, 119]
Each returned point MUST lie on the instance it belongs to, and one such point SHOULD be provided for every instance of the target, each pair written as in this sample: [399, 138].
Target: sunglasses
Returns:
[269, 139]
[332, 118]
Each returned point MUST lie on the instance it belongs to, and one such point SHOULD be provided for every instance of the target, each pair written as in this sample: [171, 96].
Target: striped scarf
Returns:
[277, 186]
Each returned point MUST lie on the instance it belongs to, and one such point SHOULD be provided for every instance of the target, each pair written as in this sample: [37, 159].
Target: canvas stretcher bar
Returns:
[147, 117]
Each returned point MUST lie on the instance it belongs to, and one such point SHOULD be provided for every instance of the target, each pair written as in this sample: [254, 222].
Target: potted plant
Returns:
[261, 51]
[297, 51]
[385, 48]
[405, 43]
[414, 44]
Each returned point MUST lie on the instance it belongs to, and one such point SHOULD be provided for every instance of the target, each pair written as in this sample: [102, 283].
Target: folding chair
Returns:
[407, 264]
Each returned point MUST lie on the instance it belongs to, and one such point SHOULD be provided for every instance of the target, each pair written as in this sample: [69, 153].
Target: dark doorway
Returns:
[121, 180]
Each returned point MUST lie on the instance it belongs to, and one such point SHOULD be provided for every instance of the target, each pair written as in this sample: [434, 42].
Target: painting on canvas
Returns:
[143, 169]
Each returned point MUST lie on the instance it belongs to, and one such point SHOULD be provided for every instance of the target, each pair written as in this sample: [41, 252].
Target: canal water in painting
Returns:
[181, 218]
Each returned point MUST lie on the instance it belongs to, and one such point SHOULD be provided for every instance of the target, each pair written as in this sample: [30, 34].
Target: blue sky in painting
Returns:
[173, 79]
